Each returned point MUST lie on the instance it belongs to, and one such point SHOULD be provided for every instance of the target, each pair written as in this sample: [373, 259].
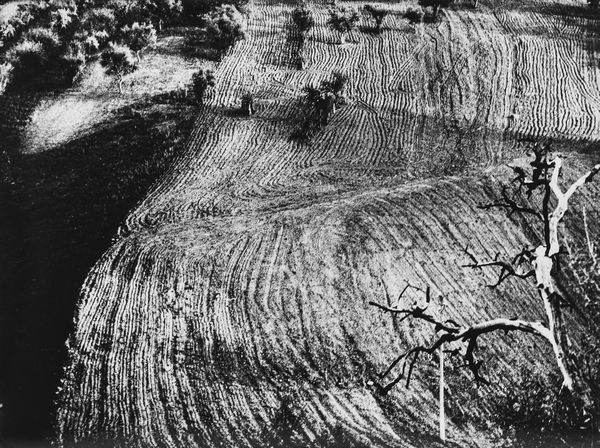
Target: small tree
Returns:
[343, 20]
[413, 15]
[139, 37]
[118, 60]
[325, 99]
[303, 19]
[378, 14]
[336, 85]
[202, 80]
[224, 27]
[539, 265]
[435, 5]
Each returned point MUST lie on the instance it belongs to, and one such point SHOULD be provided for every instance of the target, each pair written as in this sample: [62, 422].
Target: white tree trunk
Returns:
[442, 410]
[544, 263]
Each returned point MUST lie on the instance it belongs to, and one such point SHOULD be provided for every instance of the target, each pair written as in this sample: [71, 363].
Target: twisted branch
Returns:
[449, 331]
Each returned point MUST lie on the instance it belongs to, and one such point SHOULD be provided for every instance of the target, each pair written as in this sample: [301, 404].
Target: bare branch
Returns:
[511, 206]
[419, 313]
[540, 262]
[506, 269]
[467, 335]
[587, 177]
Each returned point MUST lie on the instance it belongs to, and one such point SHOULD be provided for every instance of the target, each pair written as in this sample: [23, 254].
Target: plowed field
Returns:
[244, 276]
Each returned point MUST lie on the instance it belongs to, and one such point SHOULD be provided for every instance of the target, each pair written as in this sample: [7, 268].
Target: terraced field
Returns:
[242, 280]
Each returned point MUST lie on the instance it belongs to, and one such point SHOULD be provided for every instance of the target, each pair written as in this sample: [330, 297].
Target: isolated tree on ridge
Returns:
[118, 60]
[343, 20]
[303, 19]
[202, 80]
[435, 5]
[327, 97]
[378, 14]
[535, 264]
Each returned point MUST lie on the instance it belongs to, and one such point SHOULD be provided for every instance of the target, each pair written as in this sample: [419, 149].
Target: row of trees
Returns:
[49, 42]
[344, 19]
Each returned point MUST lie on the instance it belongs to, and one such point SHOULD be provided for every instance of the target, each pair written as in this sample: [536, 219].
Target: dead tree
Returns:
[535, 264]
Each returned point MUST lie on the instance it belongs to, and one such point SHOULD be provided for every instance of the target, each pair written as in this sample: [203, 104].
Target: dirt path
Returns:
[243, 278]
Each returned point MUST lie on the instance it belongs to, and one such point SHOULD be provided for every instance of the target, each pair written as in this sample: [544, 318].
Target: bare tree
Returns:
[536, 264]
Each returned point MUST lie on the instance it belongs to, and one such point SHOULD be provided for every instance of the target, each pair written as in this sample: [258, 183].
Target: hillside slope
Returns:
[243, 278]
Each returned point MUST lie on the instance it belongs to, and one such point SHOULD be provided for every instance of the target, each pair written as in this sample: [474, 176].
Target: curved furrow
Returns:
[242, 281]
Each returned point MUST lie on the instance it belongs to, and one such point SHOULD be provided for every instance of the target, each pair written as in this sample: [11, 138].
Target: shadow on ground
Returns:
[58, 212]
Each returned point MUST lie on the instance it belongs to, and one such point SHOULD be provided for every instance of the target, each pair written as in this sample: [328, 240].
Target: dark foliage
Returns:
[303, 19]
[193, 9]
[343, 19]
[435, 6]
[224, 26]
[47, 43]
[202, 80]
[118, 60]
[321, 103]
[139, 37]
[413, 15]
[378, 14]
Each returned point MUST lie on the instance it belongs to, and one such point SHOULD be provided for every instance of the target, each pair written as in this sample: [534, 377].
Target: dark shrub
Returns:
[202, 80]
[303, 19]
[378, 14]
[414, 15]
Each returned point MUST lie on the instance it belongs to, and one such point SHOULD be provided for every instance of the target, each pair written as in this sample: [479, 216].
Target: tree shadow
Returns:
[59, 211]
